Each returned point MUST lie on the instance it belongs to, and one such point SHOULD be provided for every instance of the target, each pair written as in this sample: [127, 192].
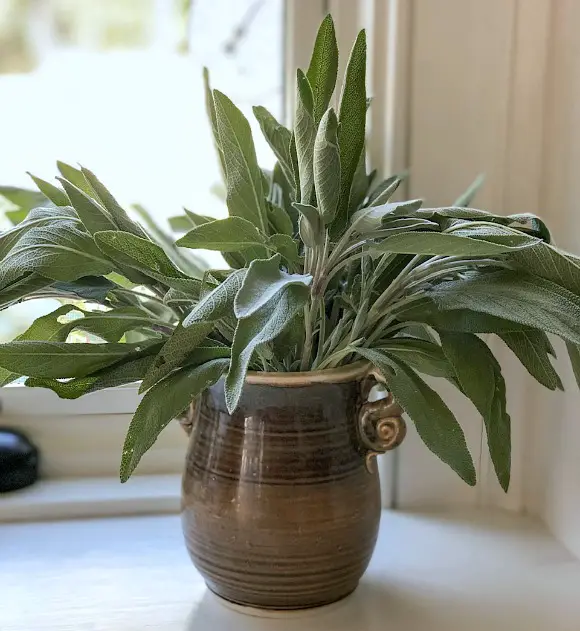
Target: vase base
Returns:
[279, 612]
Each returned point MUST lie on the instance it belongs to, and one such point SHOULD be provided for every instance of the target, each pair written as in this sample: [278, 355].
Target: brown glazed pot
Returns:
[281, 500]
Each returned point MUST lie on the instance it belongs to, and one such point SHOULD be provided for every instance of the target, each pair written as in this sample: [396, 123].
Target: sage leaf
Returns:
[351, 132]
[480, 378]
[437, 243]
[421, 355]
[175, 351]
[75, 177]
[262, 283]
[93, 288]
[304, 134]
[122, 373]
[263, 326]
[142, 255]
[280, 221]
[384, 191]
[118, 214]
[323, 67]
[435, 423]
[326, 164]
[287, 247]
[231, 234]
[532, 348]
[310, 225]
[60, 359]
[94, 217]
[219, 303]
[23, 198]
[526, 299]
[279, 138]
[23, 286]
[245, 193]
[59, 251]
[161, 404]
[51, 192]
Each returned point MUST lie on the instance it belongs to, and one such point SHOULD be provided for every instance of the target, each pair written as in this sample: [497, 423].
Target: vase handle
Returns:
[380, 423]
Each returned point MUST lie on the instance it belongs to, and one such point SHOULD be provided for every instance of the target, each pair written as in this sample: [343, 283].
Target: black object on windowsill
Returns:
[18, 460]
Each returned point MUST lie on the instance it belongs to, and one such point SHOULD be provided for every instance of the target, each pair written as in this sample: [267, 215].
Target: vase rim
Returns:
[343, 374]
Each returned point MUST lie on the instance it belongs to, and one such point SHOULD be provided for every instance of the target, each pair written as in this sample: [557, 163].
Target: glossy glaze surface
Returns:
[279, 510]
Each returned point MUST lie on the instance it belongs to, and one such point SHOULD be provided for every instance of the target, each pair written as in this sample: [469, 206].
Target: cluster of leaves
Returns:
[325, 269]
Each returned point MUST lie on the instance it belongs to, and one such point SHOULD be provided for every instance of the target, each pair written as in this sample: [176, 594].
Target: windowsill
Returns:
[92, 497]
[430, 572]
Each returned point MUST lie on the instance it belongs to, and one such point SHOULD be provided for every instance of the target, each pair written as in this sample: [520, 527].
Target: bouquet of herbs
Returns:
[324, 270]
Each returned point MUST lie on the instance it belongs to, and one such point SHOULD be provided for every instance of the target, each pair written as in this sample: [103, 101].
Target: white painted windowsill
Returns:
[430, 572]
[92, 497]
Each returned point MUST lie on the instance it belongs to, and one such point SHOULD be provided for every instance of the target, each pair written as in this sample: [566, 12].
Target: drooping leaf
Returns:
[231, 234]
[59, 251]
[60, 359]
[112, 206]
[56, 195]
[327, 166]
[532, 348]
[466, 198]
[122, 373]
[161, 404]
[262, 326]
[278, 137]
[351, 132]
[323, 67]
[264, 281]
[421, 355]
[219, 303]
[480, 378]
[245, 193]
[526, 299]
[305, 134]
[437, 243]
[94, 217]
[175, 351]
[435, 423]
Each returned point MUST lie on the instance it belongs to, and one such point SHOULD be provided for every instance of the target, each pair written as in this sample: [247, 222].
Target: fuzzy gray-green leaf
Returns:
[327, 166]
[305, 134]
[323, 67]
[480, 378]
[161, 404]
[245, 193]
[60, 359]
[278, 137]
[264, 281]
[435, 423]
[52, 192]
[231, 234]
[526, 299]
[532, 348]
[351, 133]
[91, 213]
[262, 326]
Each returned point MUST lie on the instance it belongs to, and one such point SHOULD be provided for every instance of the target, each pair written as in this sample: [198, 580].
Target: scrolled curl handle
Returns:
[381, 427]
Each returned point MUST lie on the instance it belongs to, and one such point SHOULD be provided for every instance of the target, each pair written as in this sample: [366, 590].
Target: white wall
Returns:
[493, 86]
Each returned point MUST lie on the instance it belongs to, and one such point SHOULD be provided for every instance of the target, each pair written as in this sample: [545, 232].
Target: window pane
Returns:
[116, 85]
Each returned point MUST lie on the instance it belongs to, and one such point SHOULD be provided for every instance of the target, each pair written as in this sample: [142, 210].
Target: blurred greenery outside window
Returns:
[116, 85]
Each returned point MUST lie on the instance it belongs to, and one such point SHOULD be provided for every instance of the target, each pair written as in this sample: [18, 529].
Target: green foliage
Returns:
[325, 269]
